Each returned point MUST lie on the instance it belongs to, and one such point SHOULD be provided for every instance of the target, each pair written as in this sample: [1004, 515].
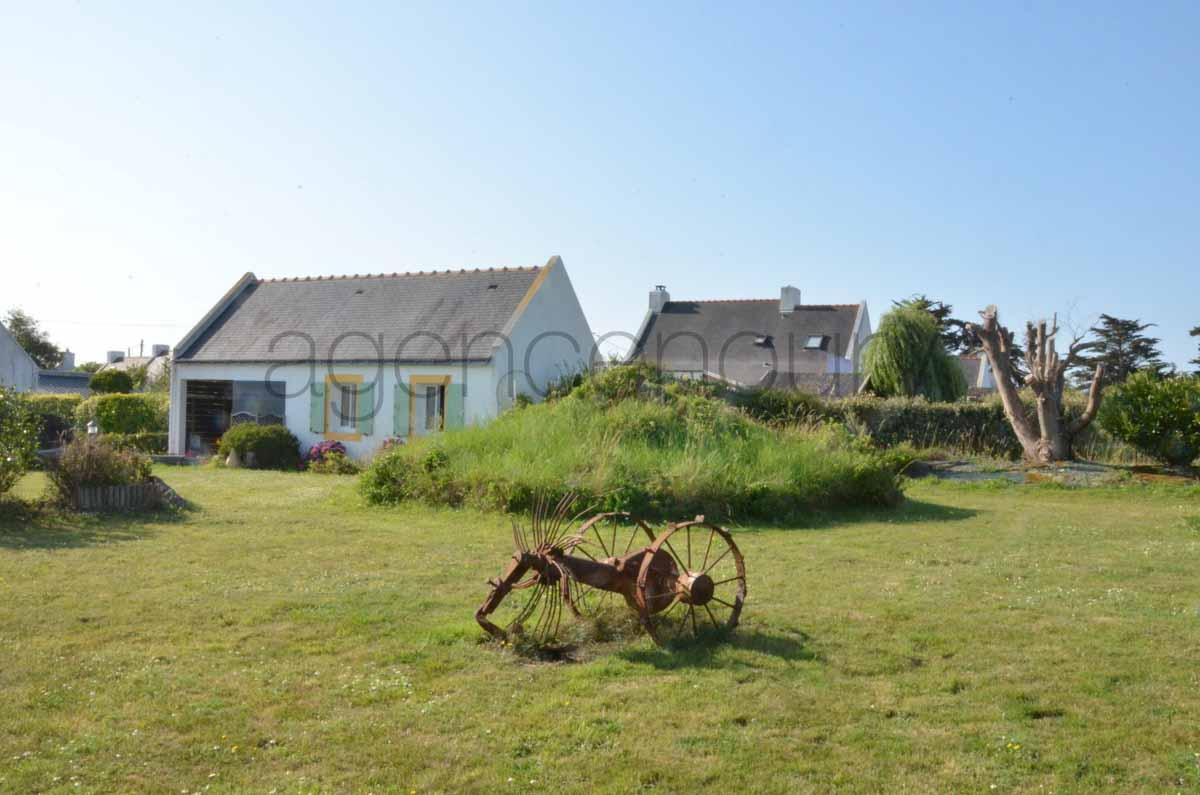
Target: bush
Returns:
[635, 443]
[141, 413]
[56, 415]
[93, 462]
[1158, 416]
[107, 382]
[152, 442]
[267, 446]
[781, 406]
[330, 458]
[18, 438]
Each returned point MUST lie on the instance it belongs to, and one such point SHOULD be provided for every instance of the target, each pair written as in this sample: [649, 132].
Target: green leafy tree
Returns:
[33, 339]
[110, 381]
[18, 438]
[1123, 348]
[1196, 333]
[907, 357]
[956, 335]
[89, 367]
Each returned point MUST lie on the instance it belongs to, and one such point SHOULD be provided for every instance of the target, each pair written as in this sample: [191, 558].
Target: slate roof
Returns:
[275, 320]
[672, 338]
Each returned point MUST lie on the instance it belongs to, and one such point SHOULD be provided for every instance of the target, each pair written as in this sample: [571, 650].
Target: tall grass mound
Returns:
[625, 442]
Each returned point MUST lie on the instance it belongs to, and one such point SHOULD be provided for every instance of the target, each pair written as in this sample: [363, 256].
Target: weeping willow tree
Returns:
[906, 357]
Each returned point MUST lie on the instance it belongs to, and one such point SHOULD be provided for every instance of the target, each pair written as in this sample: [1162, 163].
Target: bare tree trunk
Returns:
[1049, 441]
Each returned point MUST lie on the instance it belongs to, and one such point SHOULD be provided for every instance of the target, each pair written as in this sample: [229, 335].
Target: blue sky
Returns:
[1040, 157]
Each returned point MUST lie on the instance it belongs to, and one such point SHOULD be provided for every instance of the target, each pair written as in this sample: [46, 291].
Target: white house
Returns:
[776, 342]
[361, 359]
[18, 371]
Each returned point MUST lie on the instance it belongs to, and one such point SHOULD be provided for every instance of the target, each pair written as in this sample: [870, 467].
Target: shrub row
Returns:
[120, 413]
[152, 442]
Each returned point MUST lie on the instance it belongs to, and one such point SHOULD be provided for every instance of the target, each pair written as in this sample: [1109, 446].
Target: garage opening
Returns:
[214, 406]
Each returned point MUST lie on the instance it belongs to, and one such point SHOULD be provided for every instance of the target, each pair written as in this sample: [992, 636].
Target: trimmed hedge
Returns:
[972, 427]
[273, 446]
[135, 413]
[153, 442]
[56, 415]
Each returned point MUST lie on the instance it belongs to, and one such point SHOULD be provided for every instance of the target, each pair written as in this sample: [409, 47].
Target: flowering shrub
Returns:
[319, 451]
[330, 458]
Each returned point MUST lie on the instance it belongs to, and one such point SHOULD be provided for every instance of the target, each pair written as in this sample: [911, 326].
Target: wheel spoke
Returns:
[695, 629]
[713, 618]
[728, 579]
[689, 547]
[708, 548]
[722, 601]
[718, 560]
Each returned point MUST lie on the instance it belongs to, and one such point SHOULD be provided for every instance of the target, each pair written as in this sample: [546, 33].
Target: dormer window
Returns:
[815, 343]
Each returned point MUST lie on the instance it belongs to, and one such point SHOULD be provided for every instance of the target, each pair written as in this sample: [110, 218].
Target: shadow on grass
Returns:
[909, 512]
[42, 525]
[705, 652]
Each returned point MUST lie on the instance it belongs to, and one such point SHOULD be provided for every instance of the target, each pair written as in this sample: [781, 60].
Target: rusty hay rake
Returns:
[683, 582]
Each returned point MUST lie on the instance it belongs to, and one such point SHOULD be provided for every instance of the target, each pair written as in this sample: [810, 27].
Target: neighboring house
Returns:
[360, 359]
[772, 342]
[978, 372]
[64, 379]
[156, 363]
[18, 370]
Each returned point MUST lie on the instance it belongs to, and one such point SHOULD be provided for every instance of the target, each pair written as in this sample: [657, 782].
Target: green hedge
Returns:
[134, 413]
[55, 414]
[153, 442]
[976, 427]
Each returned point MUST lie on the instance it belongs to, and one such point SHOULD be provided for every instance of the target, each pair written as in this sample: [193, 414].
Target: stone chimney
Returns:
[789, 299]
[658, 298]
[113, 356]
[159, 350]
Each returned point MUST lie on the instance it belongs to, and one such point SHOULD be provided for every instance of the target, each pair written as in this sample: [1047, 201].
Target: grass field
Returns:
[282, 637]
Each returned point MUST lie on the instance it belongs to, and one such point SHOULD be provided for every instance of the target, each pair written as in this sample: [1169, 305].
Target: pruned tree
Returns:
[956, 334]
[1052, 437]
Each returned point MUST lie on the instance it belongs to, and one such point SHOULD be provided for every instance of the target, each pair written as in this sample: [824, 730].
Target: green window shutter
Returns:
[454, 406]
[365, 421]
[316, 408]
[400, 411]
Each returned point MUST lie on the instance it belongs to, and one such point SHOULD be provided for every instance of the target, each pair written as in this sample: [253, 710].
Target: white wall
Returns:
[547, 334]
[479, 395]
[17, 370]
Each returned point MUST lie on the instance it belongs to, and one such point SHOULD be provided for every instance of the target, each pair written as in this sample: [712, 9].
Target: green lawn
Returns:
[281, 637]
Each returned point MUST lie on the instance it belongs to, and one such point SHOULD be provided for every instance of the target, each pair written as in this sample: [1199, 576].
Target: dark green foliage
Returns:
[92, 462]
[271, 446]
[123, 413]
[89, 367]
[56, 416]
[153, 442]
[1195, 333]
[1158, 416]
[626, 438]
[29, 335]
[1122, 347]
[906, 358]
[18, 438]
[781, 406]
[107, 382]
